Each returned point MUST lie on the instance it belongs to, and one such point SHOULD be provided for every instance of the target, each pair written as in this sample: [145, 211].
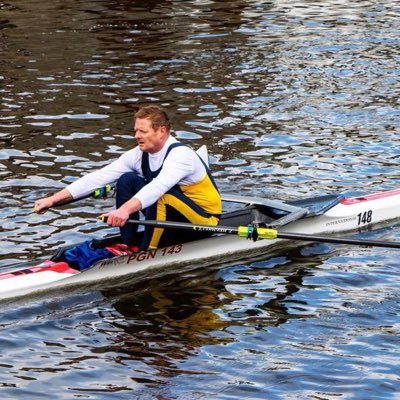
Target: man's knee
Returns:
[130, 181]
[128, 185]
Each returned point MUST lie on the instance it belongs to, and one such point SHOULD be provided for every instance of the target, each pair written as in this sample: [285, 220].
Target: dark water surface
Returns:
[293, 99]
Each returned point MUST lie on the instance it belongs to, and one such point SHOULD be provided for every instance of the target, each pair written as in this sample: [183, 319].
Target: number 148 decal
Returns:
[365, 217]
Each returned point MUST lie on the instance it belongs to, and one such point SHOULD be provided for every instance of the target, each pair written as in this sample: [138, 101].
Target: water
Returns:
[292, 99]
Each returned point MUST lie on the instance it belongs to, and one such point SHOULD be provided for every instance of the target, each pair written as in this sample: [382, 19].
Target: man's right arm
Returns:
[90, 182]
[61, 197]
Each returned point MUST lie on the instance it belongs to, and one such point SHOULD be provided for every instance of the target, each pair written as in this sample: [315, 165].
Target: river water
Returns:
[293, 99]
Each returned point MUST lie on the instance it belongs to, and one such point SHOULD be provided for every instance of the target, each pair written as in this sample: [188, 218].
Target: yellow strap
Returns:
[262, 233]
[267, 233]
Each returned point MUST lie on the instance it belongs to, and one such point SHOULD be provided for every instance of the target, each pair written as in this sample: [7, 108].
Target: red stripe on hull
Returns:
[369, 197]
[60, 267]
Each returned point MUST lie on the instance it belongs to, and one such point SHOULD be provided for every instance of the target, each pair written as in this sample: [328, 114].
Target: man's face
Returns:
[149, 140]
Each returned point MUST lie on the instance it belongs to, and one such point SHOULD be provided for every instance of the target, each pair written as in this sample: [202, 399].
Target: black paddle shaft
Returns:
[281, 235]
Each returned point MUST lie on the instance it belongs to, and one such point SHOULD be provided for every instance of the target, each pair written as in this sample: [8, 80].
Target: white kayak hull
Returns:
[350, 214]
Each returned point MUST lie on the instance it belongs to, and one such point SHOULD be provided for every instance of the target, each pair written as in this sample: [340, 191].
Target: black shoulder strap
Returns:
[148, 174]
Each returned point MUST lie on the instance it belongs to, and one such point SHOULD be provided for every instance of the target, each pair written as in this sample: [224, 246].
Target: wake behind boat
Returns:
[327, 214]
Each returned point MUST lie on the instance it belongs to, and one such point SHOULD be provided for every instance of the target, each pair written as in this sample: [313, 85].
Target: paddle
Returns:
[253, 232]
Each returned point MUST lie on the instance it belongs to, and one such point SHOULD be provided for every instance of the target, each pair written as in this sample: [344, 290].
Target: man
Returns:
[161, 177]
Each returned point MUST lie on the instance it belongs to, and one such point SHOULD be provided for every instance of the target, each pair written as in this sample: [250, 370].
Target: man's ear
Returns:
[164, 130]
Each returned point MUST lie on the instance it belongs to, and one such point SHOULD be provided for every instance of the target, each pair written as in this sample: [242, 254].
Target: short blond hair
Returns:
[156, 115]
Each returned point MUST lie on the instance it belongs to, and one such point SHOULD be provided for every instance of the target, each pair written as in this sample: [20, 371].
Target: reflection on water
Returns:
[292, 99]
[309, 320]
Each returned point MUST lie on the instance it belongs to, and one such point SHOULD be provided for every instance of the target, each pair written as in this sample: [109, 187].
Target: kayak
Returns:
[329, 215]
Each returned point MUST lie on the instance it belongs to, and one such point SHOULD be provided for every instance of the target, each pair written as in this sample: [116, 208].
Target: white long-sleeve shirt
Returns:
[182, 167]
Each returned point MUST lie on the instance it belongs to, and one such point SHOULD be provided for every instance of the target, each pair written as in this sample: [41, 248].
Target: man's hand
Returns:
[61, 197]
[121, 215]
[42, 205]
[116, 217]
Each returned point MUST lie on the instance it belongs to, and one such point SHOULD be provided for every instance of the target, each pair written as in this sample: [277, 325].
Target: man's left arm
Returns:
[119, 216]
